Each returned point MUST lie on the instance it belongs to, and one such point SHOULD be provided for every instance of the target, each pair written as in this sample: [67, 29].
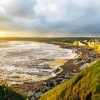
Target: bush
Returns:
[98, 88]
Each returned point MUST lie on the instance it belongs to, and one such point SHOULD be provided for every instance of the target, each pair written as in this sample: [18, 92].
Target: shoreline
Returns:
[23, 56]
[70, 68]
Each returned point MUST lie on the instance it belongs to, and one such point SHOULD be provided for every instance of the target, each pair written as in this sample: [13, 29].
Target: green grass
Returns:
[83, 86]
[8, 94]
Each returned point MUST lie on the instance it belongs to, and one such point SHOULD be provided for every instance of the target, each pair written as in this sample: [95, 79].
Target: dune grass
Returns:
[83, 86]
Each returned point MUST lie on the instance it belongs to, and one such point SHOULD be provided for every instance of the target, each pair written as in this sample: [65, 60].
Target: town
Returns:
[93, 44]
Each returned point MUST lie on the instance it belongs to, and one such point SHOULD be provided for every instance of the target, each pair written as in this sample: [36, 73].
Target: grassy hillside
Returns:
[84, 86]
[8, 94]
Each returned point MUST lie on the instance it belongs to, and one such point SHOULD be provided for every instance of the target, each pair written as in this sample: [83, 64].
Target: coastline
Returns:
[35, 85]
[70, 68]
[67, 70]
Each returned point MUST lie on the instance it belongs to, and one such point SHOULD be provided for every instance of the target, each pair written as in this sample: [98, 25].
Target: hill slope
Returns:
[8, 94]
[84, 86]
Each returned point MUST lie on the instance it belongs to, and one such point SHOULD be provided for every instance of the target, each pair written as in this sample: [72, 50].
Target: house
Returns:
[98, 47]
[93, 43]
[78, 43]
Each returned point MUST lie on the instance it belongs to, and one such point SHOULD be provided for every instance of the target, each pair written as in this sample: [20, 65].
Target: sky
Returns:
[49, 18]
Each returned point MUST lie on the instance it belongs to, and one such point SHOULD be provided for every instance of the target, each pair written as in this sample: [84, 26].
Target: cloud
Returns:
[73, 17]
[18, 8]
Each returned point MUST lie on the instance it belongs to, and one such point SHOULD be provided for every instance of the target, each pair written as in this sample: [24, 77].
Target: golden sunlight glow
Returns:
[3, 34]
[8, 33]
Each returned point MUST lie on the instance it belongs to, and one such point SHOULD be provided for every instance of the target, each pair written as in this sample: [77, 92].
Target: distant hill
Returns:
[83, 86]
[51, 39]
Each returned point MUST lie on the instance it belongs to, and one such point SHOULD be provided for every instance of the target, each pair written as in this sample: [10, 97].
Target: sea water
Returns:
[27, 61]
